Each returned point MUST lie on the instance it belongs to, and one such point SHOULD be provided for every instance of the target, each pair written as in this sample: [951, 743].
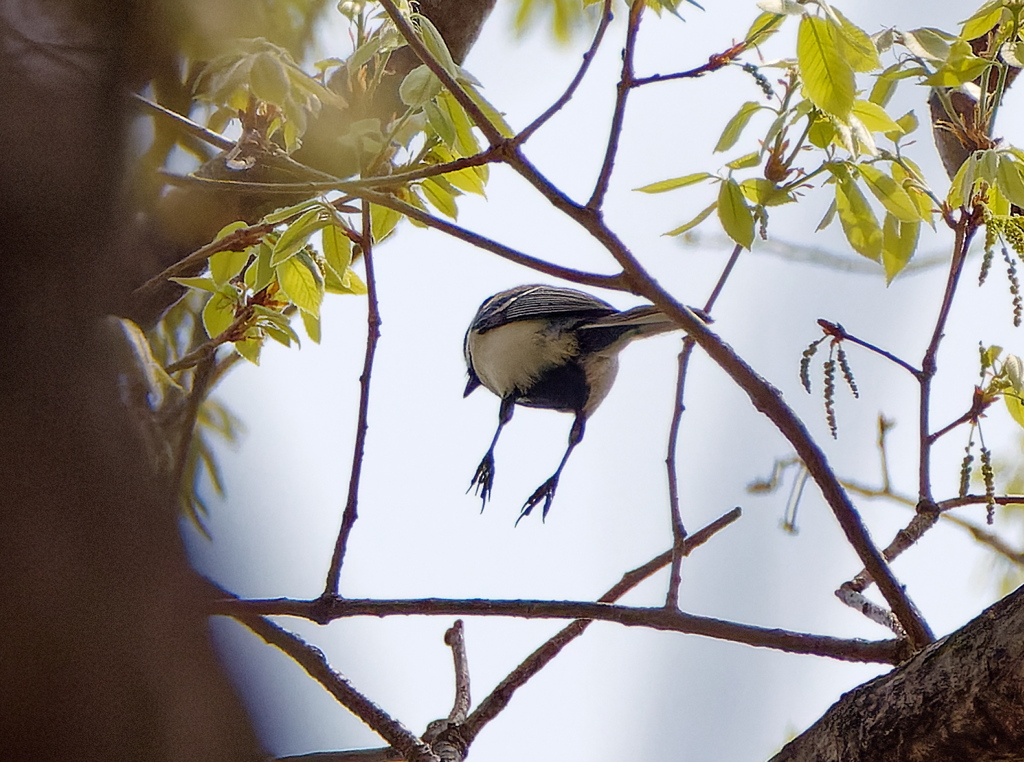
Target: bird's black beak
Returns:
[472, 384]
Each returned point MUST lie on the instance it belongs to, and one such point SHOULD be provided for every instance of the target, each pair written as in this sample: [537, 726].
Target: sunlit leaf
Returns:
[419, 86]
[296, 235]
[858, 219]
[734, 128]
[301, 282]
[889, 192]
[676, 182]
[856, 46]
[219, 313]
[736, 217]
[828, 78]
[337, 249]
[899, 241]
[983, 19]
[694, 222]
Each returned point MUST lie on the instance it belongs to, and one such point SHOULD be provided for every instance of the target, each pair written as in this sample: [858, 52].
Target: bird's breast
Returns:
[512, 357]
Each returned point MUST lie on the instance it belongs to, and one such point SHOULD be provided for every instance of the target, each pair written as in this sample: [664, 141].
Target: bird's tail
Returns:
[642, 321]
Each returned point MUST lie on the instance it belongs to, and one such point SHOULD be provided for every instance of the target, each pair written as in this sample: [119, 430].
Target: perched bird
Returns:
[549, 347]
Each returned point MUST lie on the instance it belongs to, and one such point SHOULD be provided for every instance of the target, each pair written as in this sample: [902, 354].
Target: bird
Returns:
[554, 348]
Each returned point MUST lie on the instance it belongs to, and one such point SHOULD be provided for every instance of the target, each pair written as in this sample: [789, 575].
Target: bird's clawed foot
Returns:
[483, 479]
[546, 493]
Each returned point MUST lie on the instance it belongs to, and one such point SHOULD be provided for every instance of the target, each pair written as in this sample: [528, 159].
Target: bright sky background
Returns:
[616, 693]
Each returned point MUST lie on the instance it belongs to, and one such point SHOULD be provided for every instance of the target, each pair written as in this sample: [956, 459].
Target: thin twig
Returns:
[312, 660]
[636, 11]
[979, 404]
[373, 321]
[678, 528]
[498, 699]
[612, 282]
[588, 57]
[659, 618]
[208, 348]
[238, 240]
[837, 331]
[186, 124]
[965, 229]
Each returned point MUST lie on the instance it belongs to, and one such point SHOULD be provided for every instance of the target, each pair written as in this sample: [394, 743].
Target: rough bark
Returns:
[962, 698]
[105, 647]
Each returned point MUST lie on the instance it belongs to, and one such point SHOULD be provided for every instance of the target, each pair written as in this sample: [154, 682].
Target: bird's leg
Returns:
[483, 479]
[546, 491]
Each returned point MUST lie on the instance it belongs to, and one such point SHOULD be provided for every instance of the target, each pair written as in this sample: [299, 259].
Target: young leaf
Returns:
[856, 46]
[337, 249]
[312, 326]
[301, 282]
[874, 117]
[219, 313]
[858, 219]
[899, 241]
[694, 222]
[745, 162]
[677, 182]
[983, 19]
[225, 265]
[889, 192]
[296, 235]
[201, 284]
[828, 77]
[419, 86]
[736, 217]
[435, 44]
[1010, 180]
[734, 128]
[440, 197]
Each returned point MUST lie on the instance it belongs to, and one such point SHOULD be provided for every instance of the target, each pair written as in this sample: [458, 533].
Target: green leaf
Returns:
[899, 241]
[268, 79]
[858, 219]
[910, 184]
[337, 249]
[745, 162]
[225, 265]
[694, 222]
[440, 197]
[983, 19]
[764, 192]
[928, 43]
[734, 128]
[1016, 408]
[1010, 180]
[494, 116]
[677, 182]
[219, 313]
[736, 217]
[296, 235]
[435, 43]
[889, 192]
[201, 284]
[906, 123]
[961, 189]
[349, 283]
[961, 66]
[260, 274]
[466, 142]
[249, 348]
[856, 46]
[301, 282]
[764, 26]
[874, 117]
[382, 221]
[827, 219]
[287, 212]
[312, 326]
[419, 86]
[822, 131]
[440, 122]
[828, 78]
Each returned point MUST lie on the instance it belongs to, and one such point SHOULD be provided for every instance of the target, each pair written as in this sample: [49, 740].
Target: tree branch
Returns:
[322, 611]
[312, 660]
[350, 514]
